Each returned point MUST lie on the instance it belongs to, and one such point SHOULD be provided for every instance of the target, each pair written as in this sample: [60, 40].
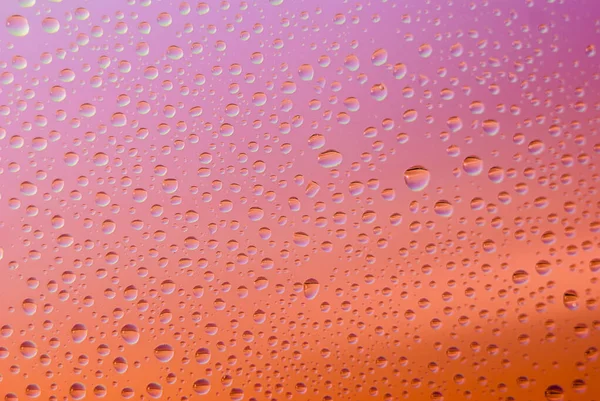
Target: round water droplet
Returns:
[306, 72]
[58, 93]
[554, 393]
[496, 174]
[17, 25]
[237, 394]
[28, 349]
[520, 277]
[130, 334]
[443, 208]
[50, 25]
[100, 391]
[140, 195]
[71, 159]
[164, 352]
[87, 110]
[301, 239]
[79, 332]
[417, 178]
[379, 57]
[491, 127]
[120, 364]
[164, 19]
[400, 71]
[473, 165]
[174, 52]
[33, 391]
[118, 120]
[170, 185]
[154, 390]
[311, 288]
[202, 386]
[425, 50]
[379, 92]
[202, 8]
[454, 124]
[202, 356]
[77, 391]
[595, 265]
[543, 267]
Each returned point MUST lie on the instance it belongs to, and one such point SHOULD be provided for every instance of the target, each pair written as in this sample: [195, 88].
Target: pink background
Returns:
[142, 261]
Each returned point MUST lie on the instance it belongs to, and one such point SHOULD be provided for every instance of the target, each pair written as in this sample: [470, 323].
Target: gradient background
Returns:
[193, 215]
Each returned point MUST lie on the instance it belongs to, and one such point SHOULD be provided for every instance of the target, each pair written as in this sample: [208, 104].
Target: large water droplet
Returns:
[17, 25]
[417, 178]
[311, 288]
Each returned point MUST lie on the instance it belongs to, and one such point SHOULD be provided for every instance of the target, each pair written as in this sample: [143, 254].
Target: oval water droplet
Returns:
[330, 158]
[311, 288]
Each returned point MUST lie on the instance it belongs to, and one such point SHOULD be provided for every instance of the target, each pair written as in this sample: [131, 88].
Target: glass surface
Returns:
[299, 200]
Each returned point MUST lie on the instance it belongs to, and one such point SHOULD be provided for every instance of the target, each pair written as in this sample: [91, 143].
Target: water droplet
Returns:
[164, 352]
[130, 334]
[306, 72]
[473, 165]
[379, 57]
[202, 386]
[79, 333]
[17, 25]
[379, 91]
[77, 391]
[417, 178]
[237, 394]
[330, 158]
[202, 356]
[28, 349]
[520, 277]
[443, 208]
[571, 299]
[301, 239]
[28, 188]
[311, 288]
[50, 25]
[554, 393]
[154, 390]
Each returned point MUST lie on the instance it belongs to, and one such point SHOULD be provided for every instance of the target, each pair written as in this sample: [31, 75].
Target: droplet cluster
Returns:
[299, 200]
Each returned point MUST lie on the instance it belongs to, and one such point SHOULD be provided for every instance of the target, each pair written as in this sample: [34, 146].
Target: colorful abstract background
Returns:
[300, 200]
